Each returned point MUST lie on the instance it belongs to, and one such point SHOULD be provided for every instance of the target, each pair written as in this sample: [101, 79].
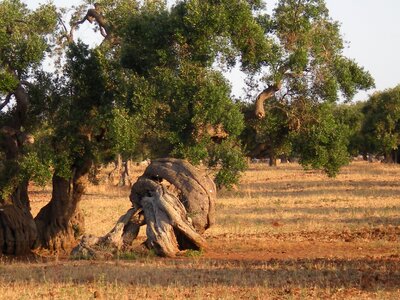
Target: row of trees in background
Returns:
[155, 87]
[375, 126]
[335, 133]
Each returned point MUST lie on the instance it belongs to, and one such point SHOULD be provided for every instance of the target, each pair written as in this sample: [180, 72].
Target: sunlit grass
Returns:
[283, 233]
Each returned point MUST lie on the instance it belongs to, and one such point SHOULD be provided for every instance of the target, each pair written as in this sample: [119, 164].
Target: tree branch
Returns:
[94, 14]
[26, 83]
[67, 35]
[6, 101]
[266, 94]
[62, 23]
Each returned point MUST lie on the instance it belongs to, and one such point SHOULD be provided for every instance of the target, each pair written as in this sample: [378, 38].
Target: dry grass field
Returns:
[284, 233]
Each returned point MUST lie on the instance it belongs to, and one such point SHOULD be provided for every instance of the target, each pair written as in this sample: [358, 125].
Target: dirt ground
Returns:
[283, 233]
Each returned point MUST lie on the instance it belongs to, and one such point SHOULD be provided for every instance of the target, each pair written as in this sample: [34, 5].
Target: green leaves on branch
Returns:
[35, 169]
[23, 35]
[8, 82]
[156, 89]
[351, 77]
[382, 122]
[323, 143]
[124, 131]
[228, 159]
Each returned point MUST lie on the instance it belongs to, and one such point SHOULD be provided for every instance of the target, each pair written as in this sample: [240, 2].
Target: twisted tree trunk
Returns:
[17, 228]
[60, 223]
[177, 203]
[266, 94]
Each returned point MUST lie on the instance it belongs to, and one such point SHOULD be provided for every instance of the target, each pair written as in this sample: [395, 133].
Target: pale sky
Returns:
[371, 28]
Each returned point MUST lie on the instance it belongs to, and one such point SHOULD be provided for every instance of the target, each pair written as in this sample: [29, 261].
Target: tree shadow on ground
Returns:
[325, 273]
[308, 189]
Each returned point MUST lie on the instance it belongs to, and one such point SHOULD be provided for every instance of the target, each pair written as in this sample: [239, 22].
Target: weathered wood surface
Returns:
[195, 189]
[177, 203]
[121, 236]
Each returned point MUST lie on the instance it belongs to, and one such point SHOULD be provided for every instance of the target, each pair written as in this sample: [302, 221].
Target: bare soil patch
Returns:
[284, 233]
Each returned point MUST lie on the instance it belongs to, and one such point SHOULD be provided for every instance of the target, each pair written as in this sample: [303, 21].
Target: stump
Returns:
[177, 203]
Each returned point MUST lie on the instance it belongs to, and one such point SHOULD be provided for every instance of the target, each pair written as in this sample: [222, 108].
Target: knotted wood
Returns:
[121, 236]
[194, 188]
[177, 203]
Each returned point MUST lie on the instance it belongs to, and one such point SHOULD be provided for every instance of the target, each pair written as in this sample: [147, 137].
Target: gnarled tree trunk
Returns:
[174, 199]
[17, 228]
[60, 223]
[178, 201]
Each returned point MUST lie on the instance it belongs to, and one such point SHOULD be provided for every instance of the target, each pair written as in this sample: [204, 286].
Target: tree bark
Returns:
[17, 227]
[272, 161]
[120, 237]
[124, 174]
[266, 94]
[60, 223]
[178, 201]
[389, 158]
[174, 199]
[195, 189]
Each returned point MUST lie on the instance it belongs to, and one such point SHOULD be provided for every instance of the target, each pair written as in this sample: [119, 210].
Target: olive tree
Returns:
[382, 123]
[23, 44]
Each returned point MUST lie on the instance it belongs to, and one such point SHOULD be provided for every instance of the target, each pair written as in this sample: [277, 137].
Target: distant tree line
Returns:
[334, 134]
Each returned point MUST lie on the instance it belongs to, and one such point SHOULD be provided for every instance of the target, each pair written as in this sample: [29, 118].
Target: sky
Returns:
[371, 29]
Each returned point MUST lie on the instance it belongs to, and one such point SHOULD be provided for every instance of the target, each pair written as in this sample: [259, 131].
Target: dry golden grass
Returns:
[283, 234]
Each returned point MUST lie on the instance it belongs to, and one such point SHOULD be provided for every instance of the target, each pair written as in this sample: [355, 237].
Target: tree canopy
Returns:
[156, 87]
[381, 128]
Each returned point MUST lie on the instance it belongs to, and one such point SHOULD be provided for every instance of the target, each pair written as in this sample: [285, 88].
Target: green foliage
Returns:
[173, 51]
[23, 43]
[229, 159]
[323, 143]
[87, 113]
[8, 82]
[309, 69]
[172, 99]
[381, 128]
[194, 253]
[124, 130]
[149, 41]
[22, 39]
[29, 167]
[35, 169]
[199, 31]
[313, 44]
[351, 115]
[272, 132]
[9, 178]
